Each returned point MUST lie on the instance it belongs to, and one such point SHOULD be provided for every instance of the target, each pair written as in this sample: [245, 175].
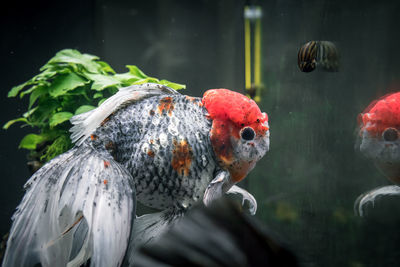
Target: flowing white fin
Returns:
[86, 123]
[146, 229]
[372, 195]
[48, 227]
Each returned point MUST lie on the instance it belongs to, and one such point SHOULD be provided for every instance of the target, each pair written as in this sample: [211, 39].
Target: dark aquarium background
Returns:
[307, 184]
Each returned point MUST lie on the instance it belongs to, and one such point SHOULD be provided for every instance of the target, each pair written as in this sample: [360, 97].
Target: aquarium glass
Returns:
[307, 184]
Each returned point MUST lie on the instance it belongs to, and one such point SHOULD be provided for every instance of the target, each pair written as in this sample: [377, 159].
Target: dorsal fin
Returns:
[86, 123]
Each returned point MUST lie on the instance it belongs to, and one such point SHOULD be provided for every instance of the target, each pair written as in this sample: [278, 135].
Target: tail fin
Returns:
[77, 206]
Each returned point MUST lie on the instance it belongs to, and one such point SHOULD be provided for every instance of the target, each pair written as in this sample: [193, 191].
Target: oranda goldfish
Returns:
[380, 141]
[147, 143]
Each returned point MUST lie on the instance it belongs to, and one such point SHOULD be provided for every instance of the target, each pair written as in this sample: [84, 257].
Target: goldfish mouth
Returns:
[253, 150]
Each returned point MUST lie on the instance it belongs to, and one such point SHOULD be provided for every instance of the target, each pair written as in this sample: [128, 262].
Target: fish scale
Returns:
[163, 141]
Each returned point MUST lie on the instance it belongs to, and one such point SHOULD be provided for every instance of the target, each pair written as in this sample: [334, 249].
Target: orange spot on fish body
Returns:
[182, 157]
[150, 153]
[166, 104]
[194, 100]
[106, 164]
[105, 182]
[190, 98]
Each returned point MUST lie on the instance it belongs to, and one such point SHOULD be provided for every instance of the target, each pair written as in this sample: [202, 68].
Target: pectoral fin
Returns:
[217, 187]
[371, 196]
[248, 202]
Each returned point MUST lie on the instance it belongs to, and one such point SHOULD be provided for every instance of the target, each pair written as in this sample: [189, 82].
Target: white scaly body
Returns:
[81, 204]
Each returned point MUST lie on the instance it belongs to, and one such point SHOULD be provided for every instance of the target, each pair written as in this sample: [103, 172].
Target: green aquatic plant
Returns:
[69, 84]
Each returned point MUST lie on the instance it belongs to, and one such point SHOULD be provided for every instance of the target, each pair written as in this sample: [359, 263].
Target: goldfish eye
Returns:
[247, 133]
[390, 134]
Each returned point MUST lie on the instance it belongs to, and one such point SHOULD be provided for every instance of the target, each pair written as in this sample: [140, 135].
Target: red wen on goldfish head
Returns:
[380, 136]
[239, 133]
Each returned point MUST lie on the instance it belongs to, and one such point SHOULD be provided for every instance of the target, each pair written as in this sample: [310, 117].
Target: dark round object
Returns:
[307, 56]
[307, 66]
[390, 134]
[247, 133]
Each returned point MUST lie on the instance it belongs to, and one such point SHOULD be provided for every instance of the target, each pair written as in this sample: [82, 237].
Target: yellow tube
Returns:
[247, 49]
[257, 53]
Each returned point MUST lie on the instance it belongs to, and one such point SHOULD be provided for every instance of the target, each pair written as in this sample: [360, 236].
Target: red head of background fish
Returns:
[240, 131]
[379, 133]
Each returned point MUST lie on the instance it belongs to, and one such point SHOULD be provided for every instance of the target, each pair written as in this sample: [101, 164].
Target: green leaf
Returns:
[47, 74]
[15, 90]
[65, 83]
[101, 101]
[11, 122]
[45, 109]
[59, 117]
[39, 85]
[74, 57]
[172, 85]
[136, 71]
[101, 81]
[70, 81]
[112, 90]
[30, 141]
[105, 67]
[126, 78]
[83, 109]
[97, 95]
[147, 80]
[39, 91]
[30, 90]
[29, 112]
[77, 91]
